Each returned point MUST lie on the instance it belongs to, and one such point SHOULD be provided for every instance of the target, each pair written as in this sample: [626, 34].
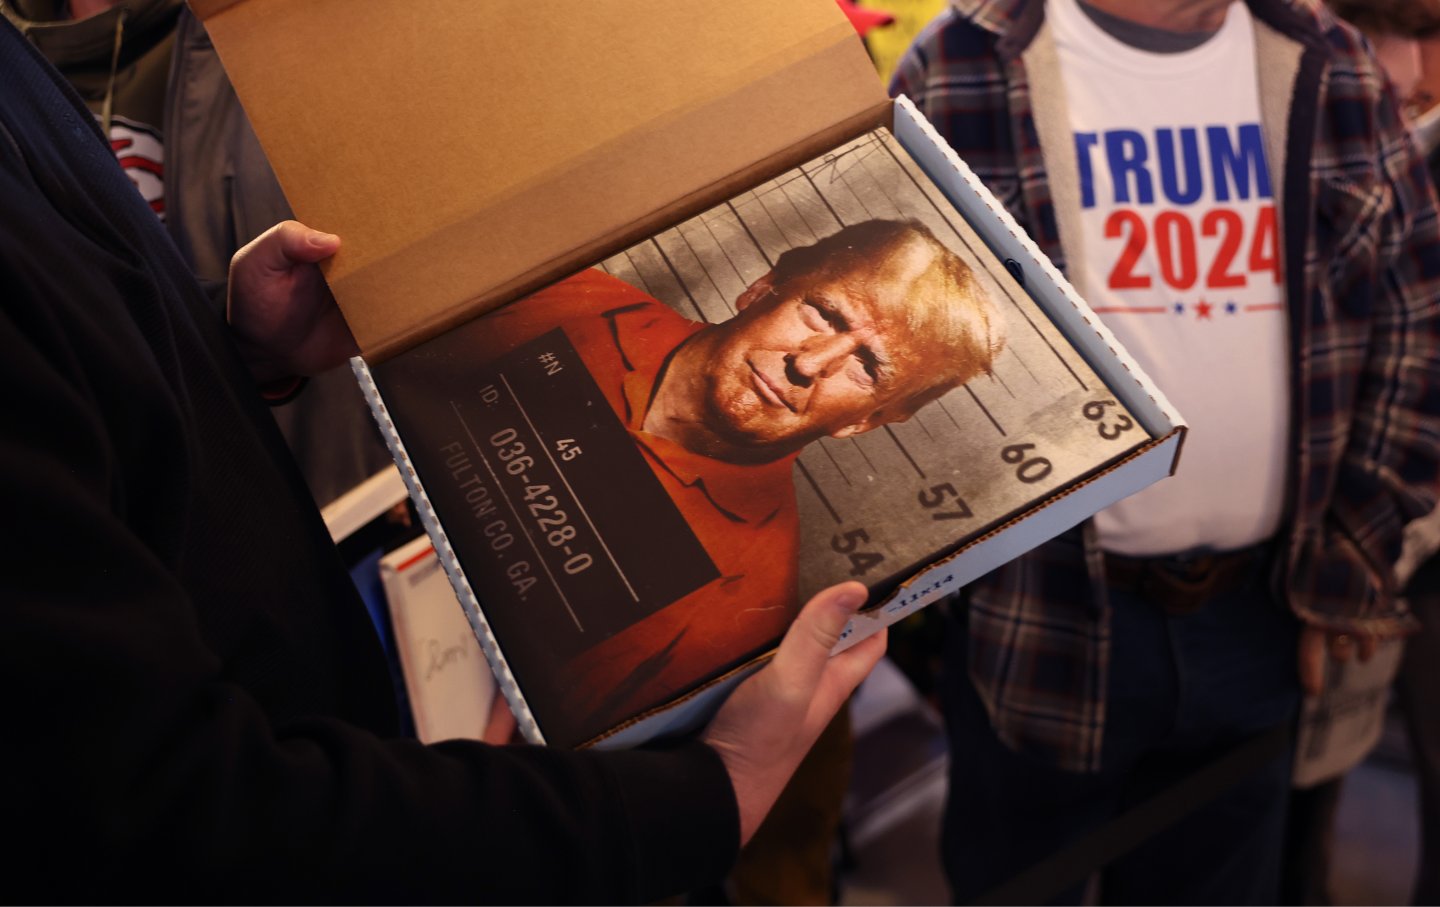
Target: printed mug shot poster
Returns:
[644, 468]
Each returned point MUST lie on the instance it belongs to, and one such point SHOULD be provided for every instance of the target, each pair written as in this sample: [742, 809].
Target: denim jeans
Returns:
[1182, 691]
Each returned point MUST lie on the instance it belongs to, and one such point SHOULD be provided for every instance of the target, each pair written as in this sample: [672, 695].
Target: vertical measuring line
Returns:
[1005, 385]
[893, 437]
[941, 212]
[860, 448]
[719, 294]
[821, 195]
[833, 462]
[818, 493]
[655, 272]
[862, 173]
[639, 275]
[746, 227]
[684, 285]
[923, 427]
[987, 256]
[983, 409]
[785, 239]
[729, 303]
[869, 215]
[799, 212]
[780, 229]
[951, 417]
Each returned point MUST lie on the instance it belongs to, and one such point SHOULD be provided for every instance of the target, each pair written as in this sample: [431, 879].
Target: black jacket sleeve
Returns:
[185, 683]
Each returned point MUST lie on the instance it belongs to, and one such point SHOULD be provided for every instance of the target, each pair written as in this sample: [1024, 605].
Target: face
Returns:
[821, 355]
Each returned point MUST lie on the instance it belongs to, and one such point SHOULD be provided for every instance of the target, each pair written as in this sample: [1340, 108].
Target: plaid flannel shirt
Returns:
[1359, 213]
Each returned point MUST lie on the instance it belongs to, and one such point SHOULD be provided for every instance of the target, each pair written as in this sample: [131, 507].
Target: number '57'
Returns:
[936, 496]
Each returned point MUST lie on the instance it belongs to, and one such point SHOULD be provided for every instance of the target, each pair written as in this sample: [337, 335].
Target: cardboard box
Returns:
[590, 582]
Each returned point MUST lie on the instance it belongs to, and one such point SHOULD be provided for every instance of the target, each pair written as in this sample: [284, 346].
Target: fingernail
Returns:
[323, 239]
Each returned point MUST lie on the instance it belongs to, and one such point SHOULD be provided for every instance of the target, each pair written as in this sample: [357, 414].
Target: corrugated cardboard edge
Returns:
[1076, 321]
[504, 677]
[723, 682]
[906, 599]
[925, 586]
[1163, 423]
[609, 243]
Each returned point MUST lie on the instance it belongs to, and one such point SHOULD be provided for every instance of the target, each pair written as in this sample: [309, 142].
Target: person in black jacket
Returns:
[197, 705]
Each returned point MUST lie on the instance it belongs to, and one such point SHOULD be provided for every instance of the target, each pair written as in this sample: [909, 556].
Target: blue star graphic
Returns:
[1179, 308]
[1230, 307]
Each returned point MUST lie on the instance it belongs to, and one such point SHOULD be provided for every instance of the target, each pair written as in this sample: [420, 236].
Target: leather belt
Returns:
[1182, 584]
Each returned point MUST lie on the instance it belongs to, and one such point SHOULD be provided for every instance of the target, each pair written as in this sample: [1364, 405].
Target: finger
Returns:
[1312, 660]
[804, 652]
[861, 657]
[287, 244]
[1366, 648]
[301, 244]
[845, 671]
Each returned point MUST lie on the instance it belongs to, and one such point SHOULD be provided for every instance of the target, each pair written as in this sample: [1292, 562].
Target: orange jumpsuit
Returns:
[743, 515]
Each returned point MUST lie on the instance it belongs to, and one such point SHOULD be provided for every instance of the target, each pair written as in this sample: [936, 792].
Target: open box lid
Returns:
[470, 152]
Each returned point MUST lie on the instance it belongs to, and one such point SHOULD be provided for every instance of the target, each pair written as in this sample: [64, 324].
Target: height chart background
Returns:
[876, 506]
[619, 570]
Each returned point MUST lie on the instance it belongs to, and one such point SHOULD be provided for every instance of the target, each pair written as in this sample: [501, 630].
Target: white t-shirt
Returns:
[1178, 252]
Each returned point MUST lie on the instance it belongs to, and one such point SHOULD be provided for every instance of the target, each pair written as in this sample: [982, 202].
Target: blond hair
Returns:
[962, 316]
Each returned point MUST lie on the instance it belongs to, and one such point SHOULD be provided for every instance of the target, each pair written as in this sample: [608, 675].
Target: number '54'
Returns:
[861, 562]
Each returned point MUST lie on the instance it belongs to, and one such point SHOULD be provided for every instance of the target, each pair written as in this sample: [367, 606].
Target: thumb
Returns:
[803, 653]
[290, 243]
